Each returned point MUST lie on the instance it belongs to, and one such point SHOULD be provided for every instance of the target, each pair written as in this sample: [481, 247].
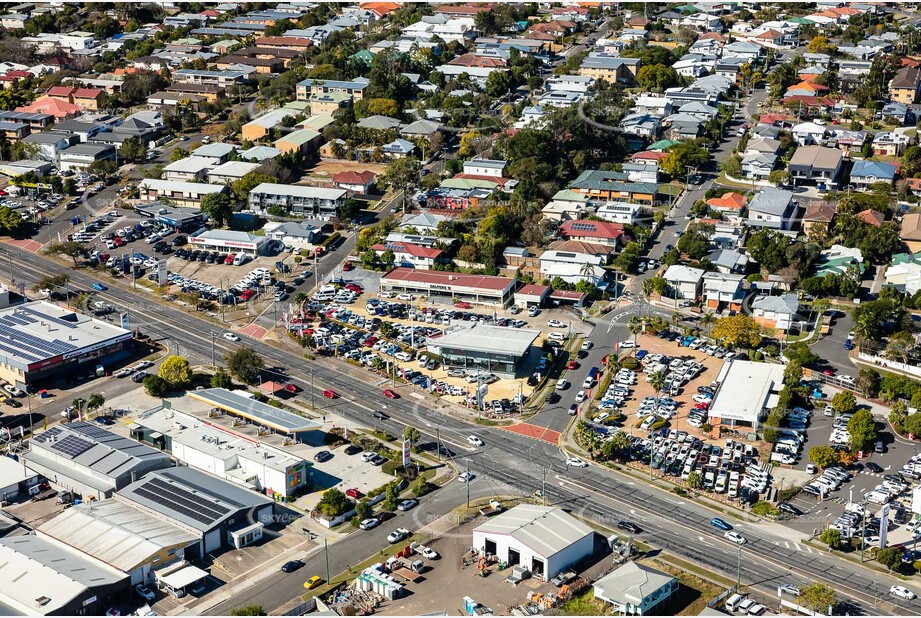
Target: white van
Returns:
[239, 259]
[733, 602]
[403, 356]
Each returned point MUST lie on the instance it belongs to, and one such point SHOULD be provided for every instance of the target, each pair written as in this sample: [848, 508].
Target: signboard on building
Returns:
[124, 320]
[162, 274]
[407, 446]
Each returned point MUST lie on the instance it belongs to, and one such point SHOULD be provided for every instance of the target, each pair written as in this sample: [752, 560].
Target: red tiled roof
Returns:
[532, 289]
[728, 201]
[210, 13]
[284, 40]
[592, 229]
[466, 9]
[910, 62]
[87, 93]
[55, 107]
[715, 36]
[647, 155]
[380, 8]
[483, 282]
[770, 35]
[872, 217]
[496, 179]
[772, 118]
[350, 177]
[410, 248]
[472, 60]
[567, 294]
[811, 101]
[16, 73]
[60, 91]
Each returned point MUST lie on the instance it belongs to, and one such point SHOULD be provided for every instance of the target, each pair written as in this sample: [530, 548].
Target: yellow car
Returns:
[313, 582]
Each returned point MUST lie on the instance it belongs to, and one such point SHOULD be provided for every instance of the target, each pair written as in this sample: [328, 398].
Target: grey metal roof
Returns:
[117, 533]
[772, 201]
[488, 339]
[631, 583]
[256, 411]
[546, 530]
[191, 497]
[785, 304]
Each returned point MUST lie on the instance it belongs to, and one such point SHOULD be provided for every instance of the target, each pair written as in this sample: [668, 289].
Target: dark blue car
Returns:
[719, 523]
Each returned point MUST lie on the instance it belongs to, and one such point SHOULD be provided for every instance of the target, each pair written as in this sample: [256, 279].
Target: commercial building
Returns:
[44, 577]
[478, 289]
[15, 479]
[218, 512]
[89, 460]
[636, 590]
[81, 156]
[297, 200]
[240, 405]
[189, 169]
[746, 391]
[229, 241]
[545, 539]
[40, 339]
[497, 349]
[182, 219]
[121, 535]
[177, 192]
[235, 458]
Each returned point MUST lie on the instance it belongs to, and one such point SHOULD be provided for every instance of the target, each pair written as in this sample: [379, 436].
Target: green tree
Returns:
[244, 364]
[868, 380]
[862, 430]
[695, 480]
[333, 503]
[176, 371]
[363, 511]
[737, 331]
[10, 220]
[155, 386]
[682, 156]
[178, 154]
[243, 186]
[498, 84]
[657, 382]
[694, 243]
[402, 174]
[95, 401]
[218, 208]
[844, 403]
[248, 610]
[823, 456]
[657, 77]
[51, 282]
[890, 557]
[70, 248]
[132, 150]
[831, 537]
[392, 496]
[412, 434]
[221, 379]
[818, 598]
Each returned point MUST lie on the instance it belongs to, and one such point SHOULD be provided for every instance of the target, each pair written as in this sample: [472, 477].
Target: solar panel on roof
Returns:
[583, 227]
[182, 501]
[51, 318]
[47, 435]
[88, 429]
[72, 446]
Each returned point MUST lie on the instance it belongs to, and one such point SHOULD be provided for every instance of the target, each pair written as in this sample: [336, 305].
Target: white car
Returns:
[466, 477]
[557, 336]
[562, 384]
[587, 345]
[702, 398]
[231, 337]
[556, 324]
[405, 297]
[12, 390]
[735, 537]
[576, 462]
[428, 552]
[369, 523]
[902, 591]
[847, 380]
[580, 396]
[627, 343]
[475, 441]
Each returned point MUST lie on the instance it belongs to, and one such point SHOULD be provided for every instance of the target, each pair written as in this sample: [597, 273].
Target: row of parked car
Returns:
[789, 446]
[213, 257]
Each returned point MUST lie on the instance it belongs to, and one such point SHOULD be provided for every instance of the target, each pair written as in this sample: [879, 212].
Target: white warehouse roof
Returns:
[546, 530]
[745, 390]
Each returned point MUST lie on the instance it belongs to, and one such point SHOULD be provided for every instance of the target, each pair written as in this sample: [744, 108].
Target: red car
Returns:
[354, 493]
[347, 266]
[119, 242]
[247, 294]
[702, 406]
[330, 394]
[389, 394]
[463, 305]
[572, 365]
[604, 360]
[828, 372]
[354, 288]
[291, 388]
[370, 342]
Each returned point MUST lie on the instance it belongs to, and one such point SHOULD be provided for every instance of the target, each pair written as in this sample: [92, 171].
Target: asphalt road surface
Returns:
[524, 463]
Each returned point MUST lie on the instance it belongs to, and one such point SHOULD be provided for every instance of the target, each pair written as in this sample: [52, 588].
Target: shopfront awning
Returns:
[185, 576]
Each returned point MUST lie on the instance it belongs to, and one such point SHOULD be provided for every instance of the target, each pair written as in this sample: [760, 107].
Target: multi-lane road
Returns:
[772, 555]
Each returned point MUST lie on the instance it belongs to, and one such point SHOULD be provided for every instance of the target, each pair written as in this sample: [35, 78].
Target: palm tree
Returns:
[676, 317]
[635, 326]
[620, 442]
[588, 271]
[707, 320]
[657, 382]
[648, 288]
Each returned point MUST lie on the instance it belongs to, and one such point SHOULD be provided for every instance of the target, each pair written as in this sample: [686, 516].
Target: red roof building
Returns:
[360, 182]
[380, 8]
[872, 217]
[472, 60]
[60, 92]
[648, 156]
[602, 232]
[732, 202]
[409, 255]
[87, 98]
[479, 289]
[61, 110]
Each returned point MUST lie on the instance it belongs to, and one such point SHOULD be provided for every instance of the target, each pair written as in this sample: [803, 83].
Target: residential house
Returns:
[904, 85]
[728, 261]
[866, 173]
[356, 182]
[597, 232]
[566, 205]
[809, 133]
[839, 260]
[904, 273]
[683, 127]
[574, 267]
[88, 98]
[80, 157]
[849, 141]
[217, 153]
[423, 223]
[421, 128]
[816, 164]
[758, 166]
[723, 291]
[303, 141]
[683, 281]
[261, 126]
[890, 144]
[641, 172]
[654, 157]
[231, 171]
[898, 112]
[622, 212]
[189, 169]
[655, 105]
[777, 312]
[60, 110]
[871, 217]
[485, 167]
[910, 233]
[309, 87]
[805, 89]
[600, 184]
[50, 143]
[641, 124]
[773, 209]
[398, 149]
[409, 255]
[818, 217]
[612, 69]
[730, 204]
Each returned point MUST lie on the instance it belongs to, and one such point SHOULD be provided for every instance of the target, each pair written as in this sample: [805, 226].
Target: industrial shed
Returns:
[545, 539]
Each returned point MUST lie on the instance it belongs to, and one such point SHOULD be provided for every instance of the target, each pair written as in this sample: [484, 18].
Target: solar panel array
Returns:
[47, 435]
[182, 501]
[16, 342]
[582, 227]
[72, 446]
[90, 430]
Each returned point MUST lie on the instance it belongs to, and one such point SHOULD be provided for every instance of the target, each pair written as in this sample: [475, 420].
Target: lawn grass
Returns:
[583, 604]
[693, 592]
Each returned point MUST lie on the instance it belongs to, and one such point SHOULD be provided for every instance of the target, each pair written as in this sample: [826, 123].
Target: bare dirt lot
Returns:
[325, 170]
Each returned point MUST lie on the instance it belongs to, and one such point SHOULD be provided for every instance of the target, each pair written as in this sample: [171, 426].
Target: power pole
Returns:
[438, 442]
[326, 551]
[212, 350]
[468, 482]
[543, 484]
[739, 570]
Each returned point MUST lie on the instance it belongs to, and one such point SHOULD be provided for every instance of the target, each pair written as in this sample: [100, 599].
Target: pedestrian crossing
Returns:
[795, 545]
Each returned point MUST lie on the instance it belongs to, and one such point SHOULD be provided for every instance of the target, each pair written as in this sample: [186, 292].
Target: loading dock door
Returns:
[490, 547]
[513, 557]
[537, 567]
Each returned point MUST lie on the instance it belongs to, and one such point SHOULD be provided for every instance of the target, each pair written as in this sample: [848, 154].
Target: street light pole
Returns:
[212, 350]
[326, 551]
[739, 570]
[468, 481]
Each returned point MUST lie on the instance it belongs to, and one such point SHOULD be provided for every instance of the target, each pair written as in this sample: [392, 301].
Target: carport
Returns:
[178, 579]
[272, 388]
